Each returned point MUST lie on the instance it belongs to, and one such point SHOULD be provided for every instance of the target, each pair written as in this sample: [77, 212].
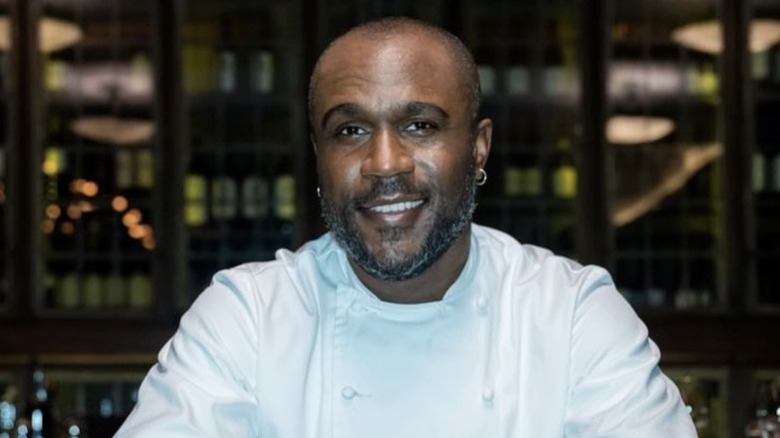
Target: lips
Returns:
[396, 207]
[393, 212]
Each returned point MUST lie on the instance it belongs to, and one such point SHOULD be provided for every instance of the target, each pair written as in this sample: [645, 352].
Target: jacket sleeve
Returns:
[203, 383]
[617, 388]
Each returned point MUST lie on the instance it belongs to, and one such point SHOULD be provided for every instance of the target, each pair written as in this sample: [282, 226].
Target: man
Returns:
[406, 320]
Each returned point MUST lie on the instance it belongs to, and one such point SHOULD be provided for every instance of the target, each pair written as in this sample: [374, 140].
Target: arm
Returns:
[204, 384]
[617, 389]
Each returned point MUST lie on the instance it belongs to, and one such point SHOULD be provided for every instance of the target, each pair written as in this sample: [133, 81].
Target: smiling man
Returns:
[407, 320]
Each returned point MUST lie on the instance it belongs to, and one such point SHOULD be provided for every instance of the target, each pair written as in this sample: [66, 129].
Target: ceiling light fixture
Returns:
[707, 36]
[53, 34]
[630, 130]
[113, 130]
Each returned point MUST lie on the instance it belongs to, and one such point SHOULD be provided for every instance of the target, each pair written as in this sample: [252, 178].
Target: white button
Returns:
[482, 303]
[487, 395]
[348, 392]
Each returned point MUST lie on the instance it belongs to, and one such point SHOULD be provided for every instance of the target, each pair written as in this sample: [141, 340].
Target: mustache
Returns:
[387, 186]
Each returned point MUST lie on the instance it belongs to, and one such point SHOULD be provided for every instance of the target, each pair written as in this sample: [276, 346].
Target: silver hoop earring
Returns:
[481, 177]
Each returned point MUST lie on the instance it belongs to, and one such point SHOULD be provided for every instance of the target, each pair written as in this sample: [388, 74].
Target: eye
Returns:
[351, 131]
[421, 127]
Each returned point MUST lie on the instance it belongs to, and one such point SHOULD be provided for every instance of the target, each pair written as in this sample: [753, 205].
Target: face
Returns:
[397, 152]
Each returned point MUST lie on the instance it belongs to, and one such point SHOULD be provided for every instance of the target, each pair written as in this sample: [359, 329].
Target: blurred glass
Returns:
[664, 149]
[765, 168]
[98, 163]
[246, 131]
[704, 392]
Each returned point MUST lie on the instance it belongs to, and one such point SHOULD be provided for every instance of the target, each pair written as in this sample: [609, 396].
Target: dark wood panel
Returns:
[716, 340]
[116, 336]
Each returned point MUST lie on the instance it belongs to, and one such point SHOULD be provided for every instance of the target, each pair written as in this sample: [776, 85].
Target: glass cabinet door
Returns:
[765, 74]
[664, 149]
[98, 163]
[246, 127]
[528, 70]
[5, 296]
[705, 393]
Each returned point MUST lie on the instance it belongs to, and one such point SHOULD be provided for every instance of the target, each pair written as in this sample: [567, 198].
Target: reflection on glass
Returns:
[664, 149]
[704, 394]
[5, 299]
[97, 150]
[765, 169]
[245, 121]
[527, 62]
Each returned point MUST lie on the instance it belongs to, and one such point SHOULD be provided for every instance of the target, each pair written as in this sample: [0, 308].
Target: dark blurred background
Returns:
[146, 144]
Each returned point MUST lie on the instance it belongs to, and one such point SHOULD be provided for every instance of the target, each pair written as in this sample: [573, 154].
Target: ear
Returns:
[482, 142]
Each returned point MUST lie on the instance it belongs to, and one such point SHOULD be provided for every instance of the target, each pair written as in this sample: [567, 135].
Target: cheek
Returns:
[337, 174]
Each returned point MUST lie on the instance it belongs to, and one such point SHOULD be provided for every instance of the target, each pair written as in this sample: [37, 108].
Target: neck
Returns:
[429, 286]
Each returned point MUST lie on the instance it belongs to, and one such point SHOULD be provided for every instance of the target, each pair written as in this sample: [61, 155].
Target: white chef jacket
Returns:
[524, 344]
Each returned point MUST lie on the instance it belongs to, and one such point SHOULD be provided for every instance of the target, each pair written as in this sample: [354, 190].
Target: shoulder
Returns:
[529, 264]
[290, 279]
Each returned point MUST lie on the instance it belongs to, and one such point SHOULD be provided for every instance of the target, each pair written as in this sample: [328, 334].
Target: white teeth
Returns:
[397, 207]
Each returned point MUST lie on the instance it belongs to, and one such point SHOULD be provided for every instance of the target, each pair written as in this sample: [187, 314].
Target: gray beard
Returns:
[445, 227]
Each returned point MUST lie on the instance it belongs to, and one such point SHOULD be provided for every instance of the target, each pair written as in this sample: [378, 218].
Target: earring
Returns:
[481, 177]
[319, 195]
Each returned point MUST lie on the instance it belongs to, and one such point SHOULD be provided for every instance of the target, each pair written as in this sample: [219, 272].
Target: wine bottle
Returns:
[140, 291]
[39, 407]
[565, 174]
[759, 172]
[93, 291]
[284, 191]
[765, 410]
[8, 412]
[227, 71]
[254, 197]
[116, 295]
[261, 67]
[224, 198]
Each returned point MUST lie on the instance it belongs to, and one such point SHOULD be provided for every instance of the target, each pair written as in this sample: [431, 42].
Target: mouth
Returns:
[396, 207]
[394, 212]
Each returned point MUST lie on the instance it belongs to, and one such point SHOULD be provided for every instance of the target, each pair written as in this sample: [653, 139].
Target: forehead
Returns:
[385, 72]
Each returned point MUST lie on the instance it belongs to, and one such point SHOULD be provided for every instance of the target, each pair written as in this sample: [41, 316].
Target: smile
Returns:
[396, 207]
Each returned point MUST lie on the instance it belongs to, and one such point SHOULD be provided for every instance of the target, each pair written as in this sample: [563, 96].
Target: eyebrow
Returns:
[414, 108]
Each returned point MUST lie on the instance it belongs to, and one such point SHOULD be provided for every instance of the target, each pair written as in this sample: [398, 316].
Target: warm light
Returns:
[132, 217]
[139, 231]
[119, 203]
[637, 129]
[707, 36]
[149, 243]
[86, 206]
[89, 188]
[53, 211]
[53, 34]
[47, 226]
[53, 161]
[114, 130]
[75, 185]
[74, 211]
[67, 228]
[671, 177]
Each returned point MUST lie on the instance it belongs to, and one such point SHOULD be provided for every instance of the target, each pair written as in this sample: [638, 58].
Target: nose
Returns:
[387, 155]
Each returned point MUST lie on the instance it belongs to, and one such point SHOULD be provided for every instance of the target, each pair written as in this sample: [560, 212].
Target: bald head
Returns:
[383, 31]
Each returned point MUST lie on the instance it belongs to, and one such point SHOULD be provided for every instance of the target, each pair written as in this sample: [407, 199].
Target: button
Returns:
[348, 392]
[482, 303]
[487, 395]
